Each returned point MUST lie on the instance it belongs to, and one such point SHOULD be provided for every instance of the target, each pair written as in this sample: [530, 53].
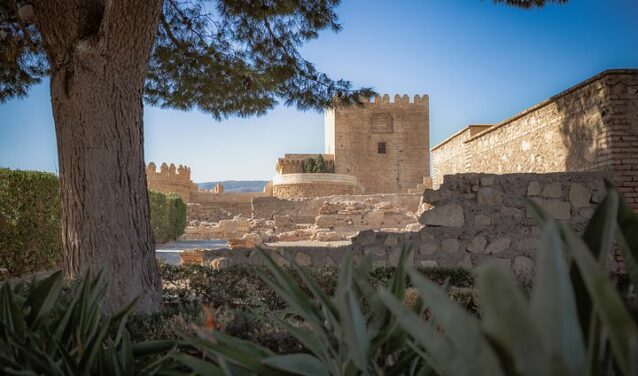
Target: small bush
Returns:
[168, 216]
[30, 233]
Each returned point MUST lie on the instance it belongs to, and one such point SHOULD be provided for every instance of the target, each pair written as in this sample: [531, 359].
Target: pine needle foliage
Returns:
[222, 57]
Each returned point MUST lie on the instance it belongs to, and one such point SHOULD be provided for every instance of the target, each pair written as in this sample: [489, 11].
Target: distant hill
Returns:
[236, 185]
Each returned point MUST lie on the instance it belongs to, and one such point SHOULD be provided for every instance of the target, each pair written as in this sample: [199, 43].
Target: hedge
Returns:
[29, 221]
[168, 216]
[30, 229]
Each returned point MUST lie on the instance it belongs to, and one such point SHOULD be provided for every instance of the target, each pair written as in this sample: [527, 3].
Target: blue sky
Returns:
[478, 62]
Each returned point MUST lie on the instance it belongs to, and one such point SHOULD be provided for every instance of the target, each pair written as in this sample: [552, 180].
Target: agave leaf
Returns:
[508, 321]
[441, 355]
[299, 364]
[43, 297]
[553, 305]
[199, 366]
[333, 314]
[627, 237]
[307, 339]
[243, 354]
[146, 348]
[12, 315]
[621, 330]
[288, 289]
[461, 328]
[93, 349]
[353, 323]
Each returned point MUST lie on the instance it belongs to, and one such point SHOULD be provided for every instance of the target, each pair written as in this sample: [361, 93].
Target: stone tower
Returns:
[384, 144]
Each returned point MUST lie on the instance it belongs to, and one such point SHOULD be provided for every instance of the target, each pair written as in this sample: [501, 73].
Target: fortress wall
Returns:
[404, 128]
[449, 156]
[592, 126]
[171, 179]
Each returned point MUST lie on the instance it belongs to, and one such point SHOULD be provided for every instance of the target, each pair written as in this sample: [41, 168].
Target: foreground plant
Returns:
[571, 325]
[351, 333]
[43, 332]
[574, 323]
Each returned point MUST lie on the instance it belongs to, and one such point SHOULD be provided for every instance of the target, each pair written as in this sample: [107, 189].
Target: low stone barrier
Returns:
[474, 218]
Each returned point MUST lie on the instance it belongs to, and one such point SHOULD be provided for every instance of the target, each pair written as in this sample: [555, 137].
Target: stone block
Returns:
[220, 263]
[511, 212]
[487, 180]
[498, 245]
[523, 266]
[395, 255]
[552, 190]
[489, 196]
[429, 264]
[481, 220]
[579, 196]
[450, 245]
[526, 245]
[433, 196]
[466, 263]
[533, 189]
[303, 259]
[477, 245]
[413, 227]
[502, 263]
[391, 240]
[428, 248]
[449, 215]
[557, 209]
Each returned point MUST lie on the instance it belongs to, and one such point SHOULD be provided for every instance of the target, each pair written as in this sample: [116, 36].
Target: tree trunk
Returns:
[97, 82]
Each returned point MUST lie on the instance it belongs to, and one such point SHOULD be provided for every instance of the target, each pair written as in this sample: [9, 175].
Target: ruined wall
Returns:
[592, 126]
[475, 218]
[213, 207]
[171, 180]
[353, 134]
[305, 211]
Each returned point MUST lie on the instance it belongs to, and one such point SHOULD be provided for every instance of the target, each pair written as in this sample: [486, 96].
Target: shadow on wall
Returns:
[580, 132]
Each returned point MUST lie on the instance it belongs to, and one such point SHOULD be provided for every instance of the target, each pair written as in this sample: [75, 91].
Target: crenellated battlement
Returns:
[171, 178]
[400, 100]
[169, 172]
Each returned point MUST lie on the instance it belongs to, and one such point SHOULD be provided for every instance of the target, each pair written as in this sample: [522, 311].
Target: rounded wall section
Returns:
[291, 186]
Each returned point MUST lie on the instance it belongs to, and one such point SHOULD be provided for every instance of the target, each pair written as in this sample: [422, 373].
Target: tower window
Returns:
[381, 148]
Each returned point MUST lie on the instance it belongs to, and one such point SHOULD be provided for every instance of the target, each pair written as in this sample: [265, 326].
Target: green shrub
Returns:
[309, 165]
[168, 216]
[30, 233]
[45, 330]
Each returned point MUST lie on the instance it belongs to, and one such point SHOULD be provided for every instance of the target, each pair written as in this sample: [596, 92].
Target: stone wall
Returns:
[171, 179]
[213, 207]
[306, 210]
[475, 218]
[449, 156]
[354, 134]
[293, 186]
[592, 126]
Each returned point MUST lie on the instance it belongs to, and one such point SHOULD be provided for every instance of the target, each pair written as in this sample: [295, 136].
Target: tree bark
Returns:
[99, 53]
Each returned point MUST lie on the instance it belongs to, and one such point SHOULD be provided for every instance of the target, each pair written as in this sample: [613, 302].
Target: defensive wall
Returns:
[383, 143]
[171, 179]
[592, 126]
